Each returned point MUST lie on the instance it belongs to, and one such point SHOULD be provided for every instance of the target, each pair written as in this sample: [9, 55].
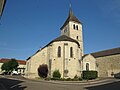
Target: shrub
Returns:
[48, 78]
[76, 78]
[68, 79]
[43, 70]
[62, 79]
[89, 75]
[80, 79]
[56, 74]
[55, 78]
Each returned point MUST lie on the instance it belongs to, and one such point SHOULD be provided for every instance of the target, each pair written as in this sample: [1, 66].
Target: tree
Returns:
[5, 66]
[43, 70]
[10, 65]
[13, 64]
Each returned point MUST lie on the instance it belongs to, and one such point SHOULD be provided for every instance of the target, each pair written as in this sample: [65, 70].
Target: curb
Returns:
[78, 83]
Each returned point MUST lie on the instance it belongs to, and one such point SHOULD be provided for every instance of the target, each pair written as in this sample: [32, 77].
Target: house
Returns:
[21, 67]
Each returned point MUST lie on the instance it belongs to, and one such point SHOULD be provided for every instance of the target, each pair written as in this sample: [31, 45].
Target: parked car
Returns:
[117, 75]
[15, 73]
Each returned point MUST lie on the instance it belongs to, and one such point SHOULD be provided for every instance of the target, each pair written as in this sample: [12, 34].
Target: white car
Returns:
[15, 73]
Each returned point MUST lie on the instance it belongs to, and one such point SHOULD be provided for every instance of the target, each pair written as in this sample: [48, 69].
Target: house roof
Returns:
[3, 60]
[108, 52]
[71, 17]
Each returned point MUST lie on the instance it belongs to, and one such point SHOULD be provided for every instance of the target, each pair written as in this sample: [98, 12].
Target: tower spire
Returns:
[70, 12]
[71, 17]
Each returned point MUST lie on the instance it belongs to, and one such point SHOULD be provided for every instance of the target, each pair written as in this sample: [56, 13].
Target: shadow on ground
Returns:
[110, 86]
[11, 84]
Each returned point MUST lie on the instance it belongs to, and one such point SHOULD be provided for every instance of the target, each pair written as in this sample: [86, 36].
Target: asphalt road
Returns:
[12, 84]
[110, 86]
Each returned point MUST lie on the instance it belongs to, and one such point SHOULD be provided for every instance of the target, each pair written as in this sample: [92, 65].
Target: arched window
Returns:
[59, 51]
[77, 38]
[74, 26]
[87, 66]
[71, 52]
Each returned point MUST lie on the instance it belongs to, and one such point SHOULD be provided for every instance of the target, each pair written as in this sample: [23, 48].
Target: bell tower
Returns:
[73, 29]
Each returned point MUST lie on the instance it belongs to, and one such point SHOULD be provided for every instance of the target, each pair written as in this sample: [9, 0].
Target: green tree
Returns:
[10, 65]
[5, 66]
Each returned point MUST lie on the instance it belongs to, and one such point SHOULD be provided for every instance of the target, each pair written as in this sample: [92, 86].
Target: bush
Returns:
[43, 70]
[76, 78]
[89, 75]
[80, 79]
[56, 74]
[54, 78]
[48, 78]
[68, 79]
[62, 79]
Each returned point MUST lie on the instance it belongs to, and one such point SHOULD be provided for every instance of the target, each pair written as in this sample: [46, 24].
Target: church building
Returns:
[66, 54]
[63, 53]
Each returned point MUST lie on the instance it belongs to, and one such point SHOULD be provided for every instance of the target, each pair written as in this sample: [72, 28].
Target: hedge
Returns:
[89, 75]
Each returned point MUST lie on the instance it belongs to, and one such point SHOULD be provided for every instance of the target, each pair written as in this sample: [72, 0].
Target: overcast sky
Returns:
[27, 25]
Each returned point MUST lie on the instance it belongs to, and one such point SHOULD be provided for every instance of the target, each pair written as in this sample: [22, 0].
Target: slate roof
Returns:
[3, 60]
[84, 55]
[71, 17]
[2, 5]
[64, 38]
[108, 52]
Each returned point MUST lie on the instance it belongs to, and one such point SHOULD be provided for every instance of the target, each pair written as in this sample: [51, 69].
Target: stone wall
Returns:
[50, 54]
[108, 65]
[34, 62]
[65, 62]
[73, 33]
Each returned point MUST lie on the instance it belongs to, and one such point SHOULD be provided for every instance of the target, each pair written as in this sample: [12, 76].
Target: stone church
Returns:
[66, 54]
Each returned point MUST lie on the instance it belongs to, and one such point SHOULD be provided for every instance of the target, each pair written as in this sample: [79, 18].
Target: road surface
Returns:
[25, 84]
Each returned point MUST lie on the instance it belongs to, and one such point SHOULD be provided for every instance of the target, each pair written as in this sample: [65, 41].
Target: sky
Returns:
[28, 25]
